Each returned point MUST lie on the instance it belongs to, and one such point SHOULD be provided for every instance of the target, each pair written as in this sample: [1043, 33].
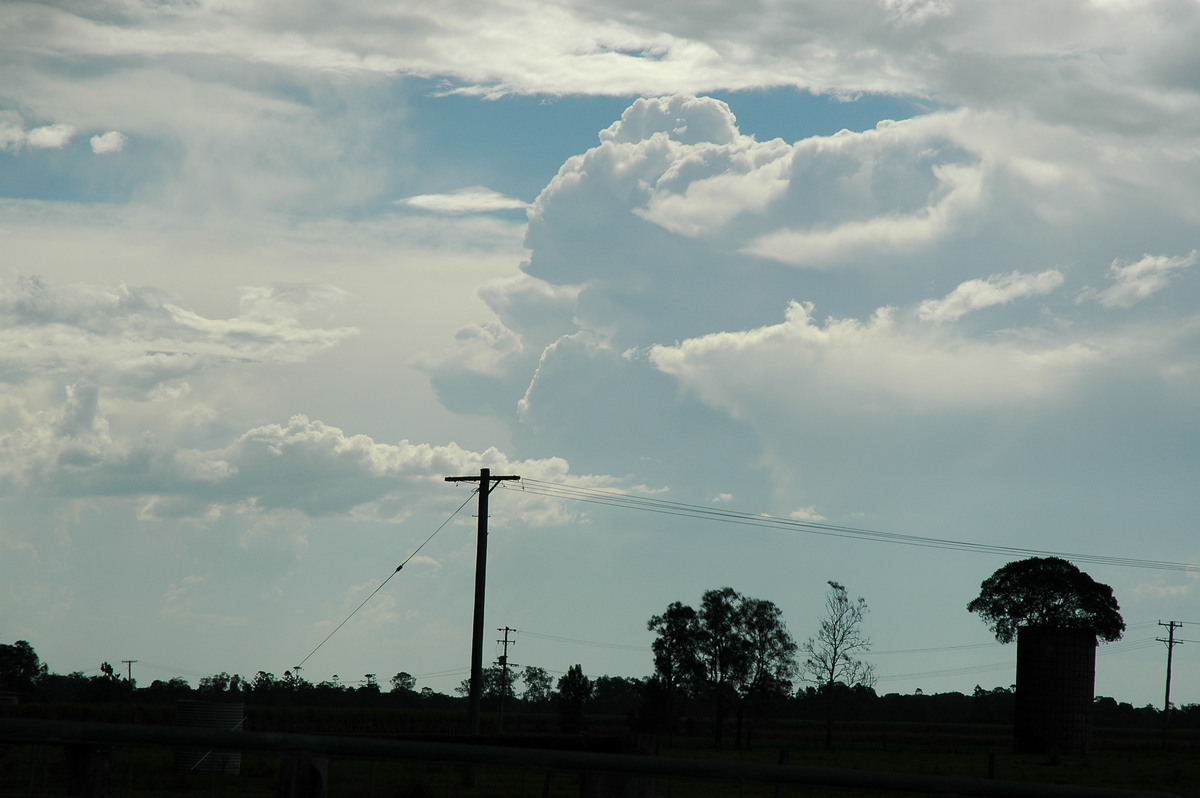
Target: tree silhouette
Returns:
[831, 657]
[735, 651]
[403, 682]
[497, 683]
[20, 668]
[574, 690]
[1049, 592]
[677, 665]
[538, 685]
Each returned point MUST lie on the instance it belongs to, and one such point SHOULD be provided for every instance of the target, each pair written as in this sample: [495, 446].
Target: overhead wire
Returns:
[384, 582]
[626, 500]
[1116, 648]
[665, 507]
[574, 641]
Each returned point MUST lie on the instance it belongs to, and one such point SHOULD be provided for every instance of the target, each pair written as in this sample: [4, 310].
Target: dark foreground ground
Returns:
[1122, 759]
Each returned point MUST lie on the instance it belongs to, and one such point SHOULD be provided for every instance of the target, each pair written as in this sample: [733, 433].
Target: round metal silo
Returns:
[1056, 683]
[209, 715]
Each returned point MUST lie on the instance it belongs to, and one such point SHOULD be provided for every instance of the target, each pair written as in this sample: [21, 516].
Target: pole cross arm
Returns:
[492, 481]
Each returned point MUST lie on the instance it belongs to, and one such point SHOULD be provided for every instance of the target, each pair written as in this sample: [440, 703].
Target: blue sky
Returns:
[272, 271]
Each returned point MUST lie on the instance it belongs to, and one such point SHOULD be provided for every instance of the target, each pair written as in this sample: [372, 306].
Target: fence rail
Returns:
[77, 733]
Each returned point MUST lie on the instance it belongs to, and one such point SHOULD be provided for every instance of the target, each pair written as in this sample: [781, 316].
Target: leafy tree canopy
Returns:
[734, 643]
[734, 651]
[20, 668]
[538, 685]
[1050, 592]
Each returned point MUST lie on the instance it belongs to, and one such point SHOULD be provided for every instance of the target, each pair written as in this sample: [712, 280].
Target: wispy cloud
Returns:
[476, 199]
[998, 289]
[1134, 282]
[138, 338]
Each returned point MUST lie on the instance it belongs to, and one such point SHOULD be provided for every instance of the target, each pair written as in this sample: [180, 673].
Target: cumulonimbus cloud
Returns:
[882, 362]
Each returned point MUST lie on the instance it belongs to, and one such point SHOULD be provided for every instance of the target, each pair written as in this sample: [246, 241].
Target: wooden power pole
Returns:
[487, 483]
[1171, 643]
[504, 665]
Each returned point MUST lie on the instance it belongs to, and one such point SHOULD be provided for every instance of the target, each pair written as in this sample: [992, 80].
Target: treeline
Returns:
[730, 661]
[571, 703]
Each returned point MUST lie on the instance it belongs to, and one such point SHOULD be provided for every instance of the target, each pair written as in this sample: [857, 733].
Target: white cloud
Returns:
[998, 289]
[1029, 51]
[14, 136]
[806, 514]
[50, 137]
[1134, 282]
[958, 192]
[303, 466]
[476, 199]
[680, 163]
[138, 338]
[901, 190]
[110, 142]
[883, 364]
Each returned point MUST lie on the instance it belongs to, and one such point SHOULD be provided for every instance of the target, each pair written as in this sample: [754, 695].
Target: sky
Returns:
[271, 271]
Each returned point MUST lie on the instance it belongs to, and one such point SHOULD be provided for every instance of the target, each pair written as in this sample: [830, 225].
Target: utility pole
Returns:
[487, 483]
[1171, 643]
[129, 671]
[504, 664]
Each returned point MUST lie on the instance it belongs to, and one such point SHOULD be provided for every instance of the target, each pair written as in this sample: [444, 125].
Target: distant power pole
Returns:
[504, 664]
[129, 670]
[487, 483]
[1171, 643]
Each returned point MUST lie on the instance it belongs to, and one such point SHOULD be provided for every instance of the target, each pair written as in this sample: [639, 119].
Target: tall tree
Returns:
[403, 683]
[832, 658]
[538, 685]
[772, 665]
[1046, 591]
[574, 690]
[733, 651]
[677, 664]
[20, 668]
[724, 652]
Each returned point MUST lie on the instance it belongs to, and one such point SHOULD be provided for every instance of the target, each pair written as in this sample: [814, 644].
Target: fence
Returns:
[83, 740]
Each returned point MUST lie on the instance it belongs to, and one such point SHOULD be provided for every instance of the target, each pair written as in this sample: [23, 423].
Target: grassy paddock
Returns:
[1120, 759]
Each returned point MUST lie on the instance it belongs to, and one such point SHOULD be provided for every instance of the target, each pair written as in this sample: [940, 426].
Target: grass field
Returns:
[1125, 759]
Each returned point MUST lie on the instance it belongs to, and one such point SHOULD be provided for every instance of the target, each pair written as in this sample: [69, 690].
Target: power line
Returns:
[574, 641]
[171, 669]
[664, 507]
[381, 585]
[932, 650]
[1116, 648]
